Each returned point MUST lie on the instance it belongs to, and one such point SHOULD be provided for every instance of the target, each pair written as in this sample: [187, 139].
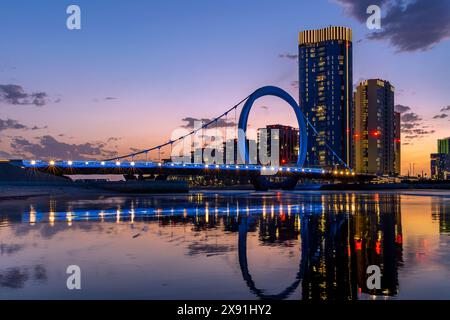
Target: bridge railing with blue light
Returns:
[172, 165]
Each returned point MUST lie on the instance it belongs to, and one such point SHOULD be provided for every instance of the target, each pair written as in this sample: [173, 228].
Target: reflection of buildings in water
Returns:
[345, 239]
[325, 243]
[440, 211]
[341, 235]
[378, 241]
[339, 243]
[278, 229]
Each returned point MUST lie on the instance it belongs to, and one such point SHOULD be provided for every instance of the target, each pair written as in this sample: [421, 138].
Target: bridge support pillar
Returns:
[262, 183]
[259, 183]
[290, 183]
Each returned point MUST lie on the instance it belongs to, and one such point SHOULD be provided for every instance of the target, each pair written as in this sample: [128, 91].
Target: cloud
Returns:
[410, 117]
[289, 56]
[9, 124]
[447, 108]
[411, 124]
[358, 8]
[132, 149]
[402, 109]
[423, 132]
[38, 128]
[48, 147]
[295, 84]
[407, 126]
[5, 155]
[190, 122]
[440, 116]
[408, 26]
[15, 95]
[110, 98]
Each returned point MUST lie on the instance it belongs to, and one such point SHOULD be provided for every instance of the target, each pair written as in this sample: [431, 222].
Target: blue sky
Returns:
[137, 68]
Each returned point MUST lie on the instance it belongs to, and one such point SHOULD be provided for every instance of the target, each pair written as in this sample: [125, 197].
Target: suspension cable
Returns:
[326, 143]
[182, 137]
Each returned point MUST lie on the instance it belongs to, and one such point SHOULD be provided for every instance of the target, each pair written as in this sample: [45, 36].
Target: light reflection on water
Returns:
[228, 245]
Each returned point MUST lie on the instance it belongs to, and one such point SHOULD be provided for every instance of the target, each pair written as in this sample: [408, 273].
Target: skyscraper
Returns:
[439, 166]
[440, 162]
[376, 129]
[325, 91]
[444, 145]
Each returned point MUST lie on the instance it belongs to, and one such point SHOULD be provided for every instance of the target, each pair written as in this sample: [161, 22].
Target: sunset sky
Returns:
[136, 69]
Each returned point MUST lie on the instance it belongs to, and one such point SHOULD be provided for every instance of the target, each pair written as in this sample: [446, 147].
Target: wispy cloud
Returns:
[289, 56]
[190, 122]
[402, 109]
[412, 125]
[15, 95]
[9, 124]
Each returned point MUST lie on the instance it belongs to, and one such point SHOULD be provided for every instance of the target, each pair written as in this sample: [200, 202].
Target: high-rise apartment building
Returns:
[440, 166]
[440, 161]
[376, 129]
[288, 142]
[325, 91]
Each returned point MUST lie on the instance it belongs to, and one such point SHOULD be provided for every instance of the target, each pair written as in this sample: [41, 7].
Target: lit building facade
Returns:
[440, 161]
[440, 166]
[325, 91]
[376, 127]
[288, 143]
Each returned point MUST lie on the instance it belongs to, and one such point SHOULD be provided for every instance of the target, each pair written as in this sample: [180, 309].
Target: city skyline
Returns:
[215, 68]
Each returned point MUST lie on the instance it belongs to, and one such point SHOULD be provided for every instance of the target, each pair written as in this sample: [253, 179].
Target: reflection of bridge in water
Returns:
[132, 165]
[339, 237]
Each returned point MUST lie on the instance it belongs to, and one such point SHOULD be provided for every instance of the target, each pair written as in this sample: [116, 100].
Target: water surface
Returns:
[228, 245]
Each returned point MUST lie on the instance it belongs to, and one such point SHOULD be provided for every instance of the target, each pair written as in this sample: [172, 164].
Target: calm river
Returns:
[228, 245]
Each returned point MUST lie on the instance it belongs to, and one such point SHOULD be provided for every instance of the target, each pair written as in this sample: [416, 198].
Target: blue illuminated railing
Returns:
[201, 211]
[168, 165]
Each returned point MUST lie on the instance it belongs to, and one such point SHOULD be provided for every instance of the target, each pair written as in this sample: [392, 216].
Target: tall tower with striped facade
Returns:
[325, 92]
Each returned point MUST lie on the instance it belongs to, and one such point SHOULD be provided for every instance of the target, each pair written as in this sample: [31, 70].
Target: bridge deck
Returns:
[171, 168]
